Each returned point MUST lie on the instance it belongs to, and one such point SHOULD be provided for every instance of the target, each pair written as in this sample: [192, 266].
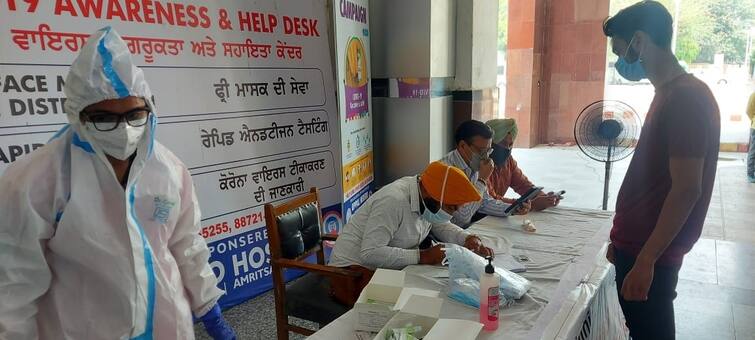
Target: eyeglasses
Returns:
[109, 121]
[484, 153]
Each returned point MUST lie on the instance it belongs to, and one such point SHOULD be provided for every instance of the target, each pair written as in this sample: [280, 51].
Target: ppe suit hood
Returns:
[104, 70]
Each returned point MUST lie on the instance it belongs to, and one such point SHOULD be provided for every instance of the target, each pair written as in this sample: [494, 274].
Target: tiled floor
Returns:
[717, 292]
[717, 282]
[254, 320]
[731, 215]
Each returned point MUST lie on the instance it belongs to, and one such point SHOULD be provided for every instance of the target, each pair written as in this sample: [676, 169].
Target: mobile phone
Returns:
[560, 194]
[522, 199]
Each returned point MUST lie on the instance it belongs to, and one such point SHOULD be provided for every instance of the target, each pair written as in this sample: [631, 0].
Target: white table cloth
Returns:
[573, 294]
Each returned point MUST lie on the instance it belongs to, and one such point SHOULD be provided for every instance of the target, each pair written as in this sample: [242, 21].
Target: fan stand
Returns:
[607, 178]
[609, 130]
[605, 131]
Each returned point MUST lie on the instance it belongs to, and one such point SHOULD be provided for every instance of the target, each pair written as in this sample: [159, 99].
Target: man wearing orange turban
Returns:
[387, 230]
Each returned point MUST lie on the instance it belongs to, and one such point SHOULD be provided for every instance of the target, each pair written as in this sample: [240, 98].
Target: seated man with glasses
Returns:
[472, 155]
[99, 234]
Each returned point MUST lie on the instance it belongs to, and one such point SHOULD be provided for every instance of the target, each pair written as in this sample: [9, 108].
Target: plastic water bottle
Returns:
[489, 290]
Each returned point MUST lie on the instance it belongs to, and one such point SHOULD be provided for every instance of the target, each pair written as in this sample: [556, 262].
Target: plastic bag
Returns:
[467, 291]
[464, 268]
[405, 333]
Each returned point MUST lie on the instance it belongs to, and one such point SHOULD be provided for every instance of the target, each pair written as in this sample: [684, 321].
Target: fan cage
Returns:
[595, 146]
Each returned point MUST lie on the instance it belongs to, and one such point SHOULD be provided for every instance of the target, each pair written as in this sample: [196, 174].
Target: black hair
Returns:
[432, 204]
[428, 202]
[467, 130]
[647, 16]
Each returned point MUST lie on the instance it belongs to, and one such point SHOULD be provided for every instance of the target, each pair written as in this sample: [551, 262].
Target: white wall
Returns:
[476, 44]
[412, 133]
[402, 144]
[412, 38]
[441, 121]
[443, 38]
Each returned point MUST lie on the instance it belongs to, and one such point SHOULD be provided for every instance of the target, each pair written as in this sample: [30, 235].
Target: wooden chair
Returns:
[295, 233]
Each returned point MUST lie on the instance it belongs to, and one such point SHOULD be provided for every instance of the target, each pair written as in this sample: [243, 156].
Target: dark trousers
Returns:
[347, 290]
[654, 318]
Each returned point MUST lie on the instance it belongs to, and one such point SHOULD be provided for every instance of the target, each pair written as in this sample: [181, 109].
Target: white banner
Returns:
[244, 92]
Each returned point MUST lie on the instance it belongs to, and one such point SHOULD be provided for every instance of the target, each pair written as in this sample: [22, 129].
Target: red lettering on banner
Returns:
[282, 49]
[205, 22]
[241, 222]
[300, 26]
[180, 15]
[65, 6]
[45, 38]
[257, 22]
[133, 10]
[193, 20]
[149, 12]
[32, 5]
[146, 11]
[89, 8]
[245, 22]
[273, 22]
[48, 39]
[260, 25]
[114, 9]
[165, 14]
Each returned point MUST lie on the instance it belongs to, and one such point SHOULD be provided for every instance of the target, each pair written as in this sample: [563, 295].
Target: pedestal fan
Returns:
[607, 131]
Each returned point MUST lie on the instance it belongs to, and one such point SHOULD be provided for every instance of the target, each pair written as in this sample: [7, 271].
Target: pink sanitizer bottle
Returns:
[489, 284]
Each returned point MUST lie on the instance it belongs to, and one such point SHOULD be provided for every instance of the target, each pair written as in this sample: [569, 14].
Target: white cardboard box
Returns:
[381, 299]
[424, 311]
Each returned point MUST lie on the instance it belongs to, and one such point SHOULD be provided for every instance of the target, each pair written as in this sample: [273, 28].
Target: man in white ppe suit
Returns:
[99, 230]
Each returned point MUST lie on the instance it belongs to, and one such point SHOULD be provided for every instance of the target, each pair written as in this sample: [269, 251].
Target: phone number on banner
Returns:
[232, 227]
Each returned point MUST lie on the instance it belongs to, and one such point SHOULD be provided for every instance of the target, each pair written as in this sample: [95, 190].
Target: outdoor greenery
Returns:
[503, 24]
[707, 27]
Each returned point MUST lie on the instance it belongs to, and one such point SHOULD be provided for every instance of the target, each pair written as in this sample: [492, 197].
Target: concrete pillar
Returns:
[412, 42]
[474, 85]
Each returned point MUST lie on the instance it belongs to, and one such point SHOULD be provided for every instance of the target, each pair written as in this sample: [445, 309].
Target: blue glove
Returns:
[216, 326]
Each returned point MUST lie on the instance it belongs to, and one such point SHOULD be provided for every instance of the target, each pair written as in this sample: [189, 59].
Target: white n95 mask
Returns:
[120, 143]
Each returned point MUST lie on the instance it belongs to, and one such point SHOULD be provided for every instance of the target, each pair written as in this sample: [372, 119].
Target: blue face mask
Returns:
[500, 154]
[632, 72]
[441, 216]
